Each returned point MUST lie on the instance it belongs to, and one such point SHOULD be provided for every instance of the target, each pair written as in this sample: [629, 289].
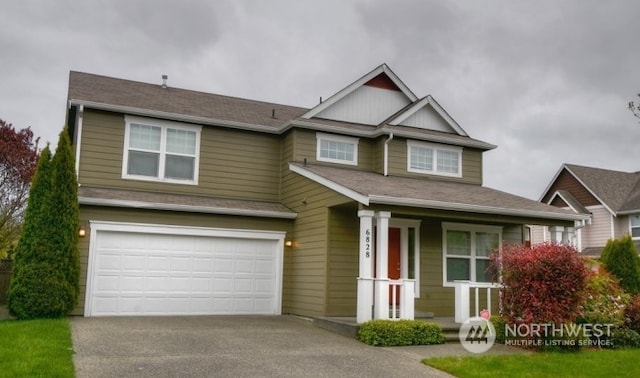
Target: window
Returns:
[157, 150]
[466, 251]
[434, 159]
[337, 149]
[634, 222]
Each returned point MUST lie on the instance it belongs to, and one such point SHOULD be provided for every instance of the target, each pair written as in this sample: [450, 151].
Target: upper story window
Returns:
[466, 251]
[634, 223]
[156, 150]
[337, 149]
[434, 159]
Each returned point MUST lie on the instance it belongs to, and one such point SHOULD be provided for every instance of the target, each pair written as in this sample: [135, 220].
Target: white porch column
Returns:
[365, 275]
[406, 299]
[381, 302]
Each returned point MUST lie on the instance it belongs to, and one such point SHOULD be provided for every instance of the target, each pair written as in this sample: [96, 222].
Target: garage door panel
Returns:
[136, 273]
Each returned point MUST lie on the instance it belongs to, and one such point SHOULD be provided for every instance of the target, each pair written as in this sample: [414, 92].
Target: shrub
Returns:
[499, 325]
[632, 314]
[542, 284]
[620, 257]
[45, 296]
[399, 332]
[622, 337]
[605, 301]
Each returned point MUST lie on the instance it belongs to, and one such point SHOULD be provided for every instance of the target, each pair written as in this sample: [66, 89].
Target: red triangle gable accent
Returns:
[383, 81]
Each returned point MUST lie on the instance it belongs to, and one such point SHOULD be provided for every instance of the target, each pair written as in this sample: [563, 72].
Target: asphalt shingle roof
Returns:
[440, 194]
[620, 191]
[107, 90]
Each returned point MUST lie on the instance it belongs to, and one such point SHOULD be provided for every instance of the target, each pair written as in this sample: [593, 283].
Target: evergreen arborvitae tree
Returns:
[46, 278]
[621, 259]
[22, 284]
[62, 212]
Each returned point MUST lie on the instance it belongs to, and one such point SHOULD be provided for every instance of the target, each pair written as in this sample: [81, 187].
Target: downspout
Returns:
[78, 138]
[386, 154]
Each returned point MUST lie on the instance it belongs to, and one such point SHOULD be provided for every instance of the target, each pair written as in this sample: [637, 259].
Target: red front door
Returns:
[394, 262]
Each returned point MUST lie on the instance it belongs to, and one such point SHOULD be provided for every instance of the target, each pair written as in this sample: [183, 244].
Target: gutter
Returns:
[187, 208]
[78, 137]
[386, 154]
[386, 200]
[176, 117]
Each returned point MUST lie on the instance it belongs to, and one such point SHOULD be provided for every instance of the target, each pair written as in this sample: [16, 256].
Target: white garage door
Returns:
[163, 270]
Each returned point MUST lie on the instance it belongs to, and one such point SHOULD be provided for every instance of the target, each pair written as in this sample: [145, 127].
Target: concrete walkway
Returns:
[238, 346]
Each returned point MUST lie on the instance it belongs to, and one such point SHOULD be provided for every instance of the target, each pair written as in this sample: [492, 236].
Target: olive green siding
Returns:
[471, 163]
[113, 214]
[233, 164]
[305, 148]
[306, 270]
[343, 263]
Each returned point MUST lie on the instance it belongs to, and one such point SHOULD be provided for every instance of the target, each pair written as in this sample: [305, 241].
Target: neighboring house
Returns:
[610, 198]
[197, 203]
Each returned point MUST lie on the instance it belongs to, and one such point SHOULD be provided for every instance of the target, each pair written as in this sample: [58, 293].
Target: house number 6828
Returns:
[367, 243]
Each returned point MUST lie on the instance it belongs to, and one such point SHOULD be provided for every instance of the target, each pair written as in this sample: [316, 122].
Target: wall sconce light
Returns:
[288, 243]
[82, 232]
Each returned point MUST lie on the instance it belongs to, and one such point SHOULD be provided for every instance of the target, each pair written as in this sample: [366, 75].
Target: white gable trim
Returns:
[383, 68]
[361, 198]
[434, 104]
[613, 213]
[568, 203]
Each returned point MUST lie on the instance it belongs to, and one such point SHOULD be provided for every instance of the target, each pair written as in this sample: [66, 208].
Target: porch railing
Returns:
[401, 299]
[463, 298]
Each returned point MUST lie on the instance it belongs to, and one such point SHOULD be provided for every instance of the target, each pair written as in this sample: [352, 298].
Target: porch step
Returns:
[345, 327]
[450, 333]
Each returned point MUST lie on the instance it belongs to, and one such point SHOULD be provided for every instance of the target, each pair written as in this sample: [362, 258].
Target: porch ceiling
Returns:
[373, 188]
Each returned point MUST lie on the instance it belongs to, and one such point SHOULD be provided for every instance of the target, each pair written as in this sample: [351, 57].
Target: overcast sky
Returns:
[546, 81]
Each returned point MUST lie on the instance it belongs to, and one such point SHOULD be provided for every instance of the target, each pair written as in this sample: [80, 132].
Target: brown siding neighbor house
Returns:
[367, 204]
[610, 198]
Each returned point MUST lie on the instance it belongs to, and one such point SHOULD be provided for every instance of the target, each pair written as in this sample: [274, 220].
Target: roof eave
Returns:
[176, 116]
[186, 208]
[451, 206]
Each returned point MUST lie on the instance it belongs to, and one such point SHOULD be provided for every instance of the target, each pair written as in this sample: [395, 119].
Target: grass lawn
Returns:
[589, 363]
[36, 348]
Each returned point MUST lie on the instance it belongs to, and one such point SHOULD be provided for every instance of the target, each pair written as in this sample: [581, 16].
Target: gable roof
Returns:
[372, 188]
[617, 191]
[382, 69]
[154, 100]
[421, 105]
[570, 201]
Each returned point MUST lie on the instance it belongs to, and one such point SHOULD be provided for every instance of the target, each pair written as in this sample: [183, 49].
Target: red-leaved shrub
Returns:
[544, 283]
[632, 314]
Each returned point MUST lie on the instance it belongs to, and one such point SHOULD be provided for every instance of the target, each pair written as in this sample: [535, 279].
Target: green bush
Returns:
[46, 295]
[400, 332]
[622, 337]
[621, 259]
[605, 301]
[499, 325]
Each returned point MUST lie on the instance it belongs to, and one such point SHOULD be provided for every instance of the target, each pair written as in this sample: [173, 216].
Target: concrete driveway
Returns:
[235, 346]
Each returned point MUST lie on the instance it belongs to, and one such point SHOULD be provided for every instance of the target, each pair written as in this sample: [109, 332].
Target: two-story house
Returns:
[197, 203]
[610, 198]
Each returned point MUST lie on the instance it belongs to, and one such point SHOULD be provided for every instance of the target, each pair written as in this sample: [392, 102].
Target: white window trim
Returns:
[435, 148]
[404, 225]
[164, 125]
[340, 139]
[632, 227]
[472, 228]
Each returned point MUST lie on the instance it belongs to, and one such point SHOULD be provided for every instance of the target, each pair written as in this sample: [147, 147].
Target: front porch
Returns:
[389, 261]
